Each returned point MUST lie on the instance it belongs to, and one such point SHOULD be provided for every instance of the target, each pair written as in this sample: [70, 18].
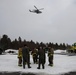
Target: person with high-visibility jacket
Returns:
[50, 56]
[20, 57]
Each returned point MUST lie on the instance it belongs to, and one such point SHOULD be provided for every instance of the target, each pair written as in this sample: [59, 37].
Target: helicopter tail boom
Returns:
[30, 10]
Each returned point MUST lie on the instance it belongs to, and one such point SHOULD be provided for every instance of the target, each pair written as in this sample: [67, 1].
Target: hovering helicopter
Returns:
[37, 11]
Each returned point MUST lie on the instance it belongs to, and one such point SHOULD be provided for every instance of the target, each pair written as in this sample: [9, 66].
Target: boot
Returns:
[51, 65]
[38, 67]
[43, 67]
[20, 65]
[29, 66]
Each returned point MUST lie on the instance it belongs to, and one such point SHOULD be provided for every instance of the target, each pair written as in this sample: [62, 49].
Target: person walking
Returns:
[26, 56]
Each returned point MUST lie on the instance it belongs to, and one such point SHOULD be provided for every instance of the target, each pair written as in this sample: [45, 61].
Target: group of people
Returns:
[38, 55]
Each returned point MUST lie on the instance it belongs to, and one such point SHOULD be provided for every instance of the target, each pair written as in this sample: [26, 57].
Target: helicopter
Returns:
[37, 11]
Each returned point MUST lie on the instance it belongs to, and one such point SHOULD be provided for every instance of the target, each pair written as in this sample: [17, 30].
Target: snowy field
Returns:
[62, 64]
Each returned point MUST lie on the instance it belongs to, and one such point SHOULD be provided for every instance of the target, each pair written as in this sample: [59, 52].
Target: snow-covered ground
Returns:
[62, 64]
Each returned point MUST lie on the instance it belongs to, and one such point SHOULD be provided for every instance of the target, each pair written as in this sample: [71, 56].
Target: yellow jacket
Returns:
[20, 53]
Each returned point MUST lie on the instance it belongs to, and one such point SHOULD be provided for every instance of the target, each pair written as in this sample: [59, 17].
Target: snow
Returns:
[62, 64]
[11, 50]
[60, 51]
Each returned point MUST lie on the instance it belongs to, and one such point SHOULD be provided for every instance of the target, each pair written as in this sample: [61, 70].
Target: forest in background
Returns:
[6, 43]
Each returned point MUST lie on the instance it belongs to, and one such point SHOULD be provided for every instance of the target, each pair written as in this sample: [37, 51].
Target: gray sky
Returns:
[56, 24]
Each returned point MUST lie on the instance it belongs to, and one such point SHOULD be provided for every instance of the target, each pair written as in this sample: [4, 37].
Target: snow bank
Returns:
[60, 52]
[11, 51]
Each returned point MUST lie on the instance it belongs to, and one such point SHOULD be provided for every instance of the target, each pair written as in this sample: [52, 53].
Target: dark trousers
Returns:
[51, 60]
[26, 61]
[20, 61]
[41, 62]
[35, 59]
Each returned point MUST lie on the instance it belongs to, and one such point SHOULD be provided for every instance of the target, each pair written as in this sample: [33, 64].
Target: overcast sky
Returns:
[56, 24]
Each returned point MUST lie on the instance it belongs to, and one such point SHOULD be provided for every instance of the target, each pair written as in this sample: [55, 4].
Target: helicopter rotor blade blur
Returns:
[41, 9]
[35, 7]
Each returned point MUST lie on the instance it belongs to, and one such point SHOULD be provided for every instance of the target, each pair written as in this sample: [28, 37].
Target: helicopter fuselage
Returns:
[36, 11]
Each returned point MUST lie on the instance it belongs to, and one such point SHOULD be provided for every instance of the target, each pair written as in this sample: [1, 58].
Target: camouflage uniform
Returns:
[50, 56]
[34, 55]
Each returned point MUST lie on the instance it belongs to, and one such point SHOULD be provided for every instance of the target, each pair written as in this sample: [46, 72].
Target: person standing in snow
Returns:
[50, 56]
[34, 54]
[20, 57]
[41, 54]
[26, 56]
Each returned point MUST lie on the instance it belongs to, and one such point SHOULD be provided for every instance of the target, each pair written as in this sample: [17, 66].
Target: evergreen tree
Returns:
[5, 42]
[15, 44]
[56, 46]
[20, 41]
[64, 46]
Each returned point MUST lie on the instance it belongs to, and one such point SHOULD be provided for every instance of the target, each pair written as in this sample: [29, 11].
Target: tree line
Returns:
[6, 43]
